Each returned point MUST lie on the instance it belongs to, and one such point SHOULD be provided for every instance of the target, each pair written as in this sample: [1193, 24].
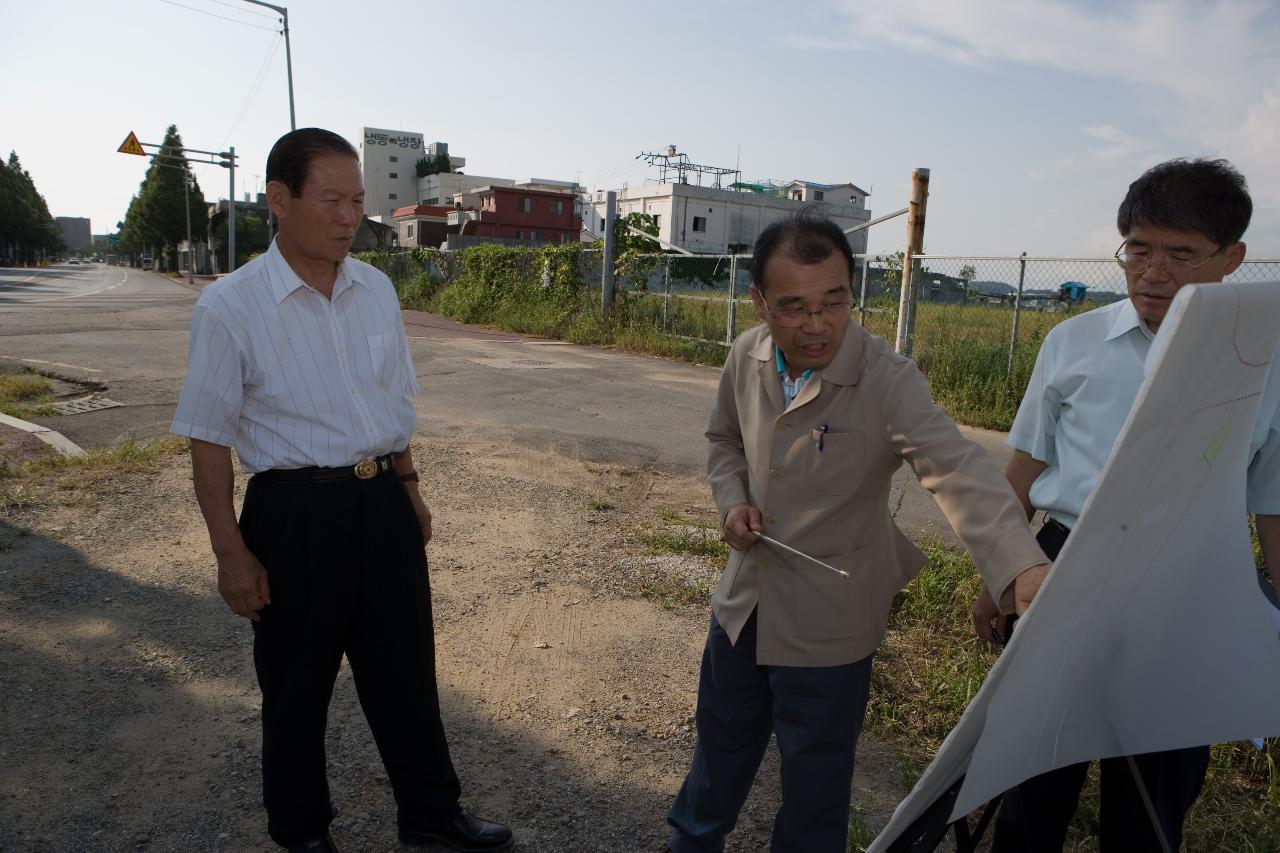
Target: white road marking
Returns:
[82, 295]
[54, 364]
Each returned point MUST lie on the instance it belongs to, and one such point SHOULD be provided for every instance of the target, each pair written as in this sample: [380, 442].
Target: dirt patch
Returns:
[129, 713]
[18, 446]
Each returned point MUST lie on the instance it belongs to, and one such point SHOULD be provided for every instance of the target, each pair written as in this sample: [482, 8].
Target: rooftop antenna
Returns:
[673, 162]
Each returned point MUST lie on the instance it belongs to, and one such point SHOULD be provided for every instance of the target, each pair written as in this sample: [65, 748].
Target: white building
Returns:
[442, 187]
[707, 221]
[388, 163]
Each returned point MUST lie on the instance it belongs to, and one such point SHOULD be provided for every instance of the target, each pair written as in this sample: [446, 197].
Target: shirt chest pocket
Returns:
[383, 358]
[834, 461]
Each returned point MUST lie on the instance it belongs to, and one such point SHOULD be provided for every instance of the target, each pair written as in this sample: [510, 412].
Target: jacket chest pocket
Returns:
[834, 461]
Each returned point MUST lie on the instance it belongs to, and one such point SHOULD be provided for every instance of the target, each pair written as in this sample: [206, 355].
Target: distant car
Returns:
[146, 262]
[73, 260]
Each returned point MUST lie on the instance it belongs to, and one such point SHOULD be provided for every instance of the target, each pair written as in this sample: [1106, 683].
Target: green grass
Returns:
[687, 540]
[85, 478]
[24, 394]
[682, 537]
[672, 589]
[930, 665]
[600, 505]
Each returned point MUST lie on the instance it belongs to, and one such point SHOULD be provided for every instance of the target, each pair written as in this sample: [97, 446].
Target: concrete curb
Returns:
[56, 440]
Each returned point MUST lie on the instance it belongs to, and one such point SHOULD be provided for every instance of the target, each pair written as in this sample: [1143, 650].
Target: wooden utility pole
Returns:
[915, 246]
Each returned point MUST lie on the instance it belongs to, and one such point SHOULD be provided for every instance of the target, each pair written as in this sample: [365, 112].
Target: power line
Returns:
[253, 90]
[223, 17]
[238, 8]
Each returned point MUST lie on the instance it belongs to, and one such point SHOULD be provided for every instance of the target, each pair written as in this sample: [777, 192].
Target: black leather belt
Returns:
[1057, 526]
[365, 469]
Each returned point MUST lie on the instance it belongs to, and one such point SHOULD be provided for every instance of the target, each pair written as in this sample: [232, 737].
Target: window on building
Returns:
[526, 204]
[410, 232]
[391, 196]
[797, 195]
[699, 223]
[533, 235]
[657, 219]
[519, 235]
[395, 159]
[392, 175]
[557, 206]
[817, 195]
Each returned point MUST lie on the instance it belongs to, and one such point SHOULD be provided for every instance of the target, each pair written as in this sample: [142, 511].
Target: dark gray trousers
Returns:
[816, 713]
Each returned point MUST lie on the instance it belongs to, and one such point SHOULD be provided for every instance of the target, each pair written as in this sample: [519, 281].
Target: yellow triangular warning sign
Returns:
[131, 145]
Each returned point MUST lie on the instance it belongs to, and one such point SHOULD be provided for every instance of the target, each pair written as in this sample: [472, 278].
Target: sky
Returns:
[1032, 116]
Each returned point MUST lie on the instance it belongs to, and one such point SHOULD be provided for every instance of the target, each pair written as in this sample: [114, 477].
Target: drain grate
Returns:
[92, 403]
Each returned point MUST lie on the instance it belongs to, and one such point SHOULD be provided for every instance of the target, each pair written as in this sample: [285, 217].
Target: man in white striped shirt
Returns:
[299, 360]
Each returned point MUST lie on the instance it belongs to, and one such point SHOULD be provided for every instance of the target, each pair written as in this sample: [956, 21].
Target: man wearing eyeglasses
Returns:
[812, 418]
[1181, 222]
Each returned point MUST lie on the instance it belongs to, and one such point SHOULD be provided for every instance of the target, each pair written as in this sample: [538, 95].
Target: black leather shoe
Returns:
[465, 833]
[320, 844]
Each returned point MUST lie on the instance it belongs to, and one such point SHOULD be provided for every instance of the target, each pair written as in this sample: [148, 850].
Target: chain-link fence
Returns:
[706, 298]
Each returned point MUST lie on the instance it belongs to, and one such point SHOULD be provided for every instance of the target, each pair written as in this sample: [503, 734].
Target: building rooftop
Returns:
[420, 210]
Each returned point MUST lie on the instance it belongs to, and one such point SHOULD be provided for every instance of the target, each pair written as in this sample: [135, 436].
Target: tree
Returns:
[432, 166]
[251, 236]
[156, 221]
[28, 234]
[967, 274]
[630, 249]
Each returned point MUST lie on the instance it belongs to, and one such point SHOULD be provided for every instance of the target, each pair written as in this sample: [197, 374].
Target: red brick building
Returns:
[517, 213]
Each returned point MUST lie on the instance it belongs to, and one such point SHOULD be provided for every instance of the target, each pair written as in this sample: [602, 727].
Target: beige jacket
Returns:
[827, 495]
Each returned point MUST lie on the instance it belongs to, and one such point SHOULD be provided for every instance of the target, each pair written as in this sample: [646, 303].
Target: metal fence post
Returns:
[607, 270]
[733, 300]
[666, 296]
[1017, 310]
[915, 246]
[862, 299]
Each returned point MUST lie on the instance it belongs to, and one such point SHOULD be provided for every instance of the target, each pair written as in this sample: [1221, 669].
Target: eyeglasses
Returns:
[1176, 264]
[794, 318]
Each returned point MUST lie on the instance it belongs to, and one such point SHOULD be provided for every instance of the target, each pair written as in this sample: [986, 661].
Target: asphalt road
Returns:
[126, 331]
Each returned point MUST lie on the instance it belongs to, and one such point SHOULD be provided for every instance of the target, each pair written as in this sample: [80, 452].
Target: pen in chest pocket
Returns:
[822, 436]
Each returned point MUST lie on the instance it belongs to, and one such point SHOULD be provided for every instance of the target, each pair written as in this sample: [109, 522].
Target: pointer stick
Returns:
[791, 550]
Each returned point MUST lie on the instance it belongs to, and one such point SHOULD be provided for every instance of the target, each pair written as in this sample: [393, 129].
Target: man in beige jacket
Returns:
[812, 418]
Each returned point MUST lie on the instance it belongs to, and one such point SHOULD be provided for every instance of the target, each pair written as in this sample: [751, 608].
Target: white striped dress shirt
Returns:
[291, 379]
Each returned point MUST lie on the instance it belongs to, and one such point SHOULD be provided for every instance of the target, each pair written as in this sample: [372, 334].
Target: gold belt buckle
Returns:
[367, 469]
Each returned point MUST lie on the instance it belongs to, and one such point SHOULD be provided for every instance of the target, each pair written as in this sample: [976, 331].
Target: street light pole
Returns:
[231, 211]
[288, 53]
[191, 247]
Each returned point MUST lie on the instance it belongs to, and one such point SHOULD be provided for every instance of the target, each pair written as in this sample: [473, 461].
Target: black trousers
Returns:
[348, 575]
[1034, 816]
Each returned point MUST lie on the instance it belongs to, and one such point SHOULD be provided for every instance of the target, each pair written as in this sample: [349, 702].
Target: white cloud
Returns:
[1206, 74]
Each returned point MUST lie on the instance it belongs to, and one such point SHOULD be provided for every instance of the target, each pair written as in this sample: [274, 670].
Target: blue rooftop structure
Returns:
[1073, 291]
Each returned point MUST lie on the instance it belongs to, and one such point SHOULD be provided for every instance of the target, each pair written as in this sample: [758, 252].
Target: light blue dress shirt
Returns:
[1085, 380]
